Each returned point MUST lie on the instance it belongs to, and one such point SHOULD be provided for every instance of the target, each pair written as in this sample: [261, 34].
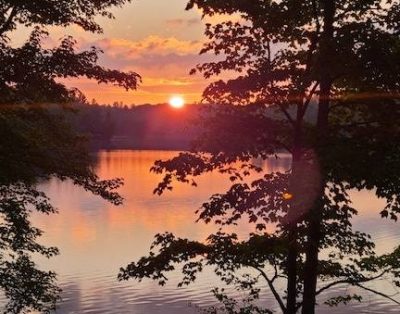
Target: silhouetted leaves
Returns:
[336, 58]
[36, 142]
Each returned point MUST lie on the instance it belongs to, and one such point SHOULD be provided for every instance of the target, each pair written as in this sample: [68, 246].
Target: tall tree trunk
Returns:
[311, 264]
[315, 215]
[293, 217]
[292, 273]
[291, 227]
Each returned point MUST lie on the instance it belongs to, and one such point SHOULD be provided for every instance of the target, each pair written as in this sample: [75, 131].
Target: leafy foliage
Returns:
[37, 142]
[30, 73]
[62, 13]
[337, 58]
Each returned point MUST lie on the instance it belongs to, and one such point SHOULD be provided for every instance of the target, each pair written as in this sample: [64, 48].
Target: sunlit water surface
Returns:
[96, 239]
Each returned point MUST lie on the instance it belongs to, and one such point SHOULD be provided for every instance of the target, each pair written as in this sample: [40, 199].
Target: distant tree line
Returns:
[119, 126]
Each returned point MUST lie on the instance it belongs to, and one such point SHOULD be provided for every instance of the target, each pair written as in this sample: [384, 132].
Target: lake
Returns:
[96, 239]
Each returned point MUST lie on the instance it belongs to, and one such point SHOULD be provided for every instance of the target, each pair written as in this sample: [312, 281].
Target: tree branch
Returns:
[271, 286]
[4, 11]
[313, 41]
[332, 284]
[279, 143]
[351, 282]
[378, 293]
[316, 17]
[288, 116]
[309, 98]
[8, 21]
[357, 284]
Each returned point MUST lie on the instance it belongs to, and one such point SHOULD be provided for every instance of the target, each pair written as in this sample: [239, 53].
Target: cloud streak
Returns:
[151, 45]
[163, 62]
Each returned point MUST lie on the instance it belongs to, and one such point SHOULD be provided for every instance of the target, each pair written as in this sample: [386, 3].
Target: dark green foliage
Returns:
[23, 283]
[48, 12]
[340, 57]
[233, 306]
[36, 142]
[27, 287]
[30, 72]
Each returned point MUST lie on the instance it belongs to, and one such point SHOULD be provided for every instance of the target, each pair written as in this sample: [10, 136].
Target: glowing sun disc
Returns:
[177, 102]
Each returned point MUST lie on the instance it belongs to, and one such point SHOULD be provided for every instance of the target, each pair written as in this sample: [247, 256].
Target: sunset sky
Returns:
[157, 39]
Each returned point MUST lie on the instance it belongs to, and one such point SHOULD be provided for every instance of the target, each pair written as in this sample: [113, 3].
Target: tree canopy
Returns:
[338, 58]
[36, 141]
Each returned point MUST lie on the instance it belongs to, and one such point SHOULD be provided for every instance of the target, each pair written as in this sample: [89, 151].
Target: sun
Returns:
[177, 102]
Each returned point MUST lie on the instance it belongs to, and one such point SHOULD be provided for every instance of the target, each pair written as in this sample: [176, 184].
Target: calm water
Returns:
[96, 238]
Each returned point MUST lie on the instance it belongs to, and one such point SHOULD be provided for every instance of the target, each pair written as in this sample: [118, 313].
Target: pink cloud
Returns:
[151, 45]
[163, 63]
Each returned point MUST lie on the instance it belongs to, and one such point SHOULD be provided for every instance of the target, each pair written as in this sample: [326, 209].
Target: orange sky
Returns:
[157, 39]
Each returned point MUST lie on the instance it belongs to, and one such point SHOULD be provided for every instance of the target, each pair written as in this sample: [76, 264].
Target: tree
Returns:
[338, 58]
[36, 141]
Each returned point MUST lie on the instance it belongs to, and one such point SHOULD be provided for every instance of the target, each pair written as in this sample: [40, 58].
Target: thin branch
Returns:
[309, 98]
[269, 52]
[316, 17]
[351, 282]
[276, 275]
[378, 293]
[354, 283]
[313, 46]
[272, 86]
[288, 116]
[4, 11]
[8, 21]
[284, 146]
[313, 42]
[332, 284]
[271, 286]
